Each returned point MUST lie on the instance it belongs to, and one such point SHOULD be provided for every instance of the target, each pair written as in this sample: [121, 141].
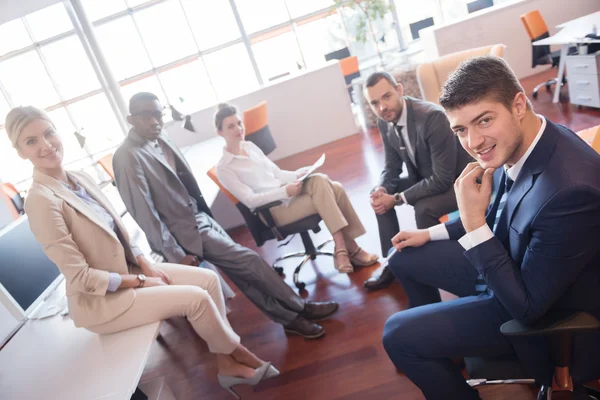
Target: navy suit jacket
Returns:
[546, 257]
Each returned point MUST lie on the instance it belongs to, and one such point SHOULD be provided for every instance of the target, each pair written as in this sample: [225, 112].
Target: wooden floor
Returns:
[349, 362]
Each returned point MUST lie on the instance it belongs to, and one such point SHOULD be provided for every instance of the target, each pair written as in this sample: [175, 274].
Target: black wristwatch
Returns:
[398, 199]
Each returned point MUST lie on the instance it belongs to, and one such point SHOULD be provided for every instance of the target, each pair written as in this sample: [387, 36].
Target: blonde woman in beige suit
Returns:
[110, 285]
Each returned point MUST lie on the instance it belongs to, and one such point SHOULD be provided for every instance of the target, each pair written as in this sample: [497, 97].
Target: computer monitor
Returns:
[338, 54]
[27, 276]
[415, 27]
[479, 5]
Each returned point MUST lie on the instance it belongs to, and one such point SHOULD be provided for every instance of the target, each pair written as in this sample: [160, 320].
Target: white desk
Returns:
[571, 32]
[52, 359]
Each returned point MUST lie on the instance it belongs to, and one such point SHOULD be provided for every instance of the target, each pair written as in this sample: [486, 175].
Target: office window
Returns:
[188, 87]
[278, 56]
[133, 3]
[97, 122]
[98, 9]
[19, 38]
[261, 14]
[408, 14]
[298, 8]
[320, 37]
[4, 109]
[27, 82]
[231, 72]
[149, 84]
[165, 32]
[12, 167]
[123, 48]
[66, 130]
[383, 29]
[214, 27]
[49, 22]
[70, 67]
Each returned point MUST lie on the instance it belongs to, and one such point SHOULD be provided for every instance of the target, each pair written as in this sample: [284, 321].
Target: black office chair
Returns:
[559, 328]
[262, 232]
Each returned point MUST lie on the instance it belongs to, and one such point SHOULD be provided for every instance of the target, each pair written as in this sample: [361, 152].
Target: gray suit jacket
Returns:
[158, 198]
[439, 156]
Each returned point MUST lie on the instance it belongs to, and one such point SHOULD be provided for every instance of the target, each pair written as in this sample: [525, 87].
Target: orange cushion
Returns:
[256, 118]
[212, 174]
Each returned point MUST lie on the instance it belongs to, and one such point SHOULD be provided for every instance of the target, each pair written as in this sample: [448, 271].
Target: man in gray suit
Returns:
[162, 195]
[417, 134]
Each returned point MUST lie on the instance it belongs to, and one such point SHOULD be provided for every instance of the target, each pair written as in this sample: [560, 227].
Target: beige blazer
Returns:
[82, 245]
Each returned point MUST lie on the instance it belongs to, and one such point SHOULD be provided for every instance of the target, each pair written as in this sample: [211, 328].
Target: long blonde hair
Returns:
[19, 117]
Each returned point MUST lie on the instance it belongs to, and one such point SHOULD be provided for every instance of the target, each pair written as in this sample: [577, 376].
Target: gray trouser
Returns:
[249, 272]
[427, 212]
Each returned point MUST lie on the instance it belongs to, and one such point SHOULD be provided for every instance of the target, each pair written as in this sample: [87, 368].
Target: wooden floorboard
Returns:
[349, 363]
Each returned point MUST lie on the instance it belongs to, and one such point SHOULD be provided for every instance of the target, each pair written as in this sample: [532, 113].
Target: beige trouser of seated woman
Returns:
[320, 195]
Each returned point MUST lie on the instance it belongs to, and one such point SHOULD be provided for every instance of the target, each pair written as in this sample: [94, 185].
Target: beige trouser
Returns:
[328, 199]
[195, 293]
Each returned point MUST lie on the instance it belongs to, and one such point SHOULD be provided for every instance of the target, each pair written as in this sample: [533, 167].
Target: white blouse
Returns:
[254, 180]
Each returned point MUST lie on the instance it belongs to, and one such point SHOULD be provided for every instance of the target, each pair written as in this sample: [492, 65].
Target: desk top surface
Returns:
[574, 31]
[52, 359]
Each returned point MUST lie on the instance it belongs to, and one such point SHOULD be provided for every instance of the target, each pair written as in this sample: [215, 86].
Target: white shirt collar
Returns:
[513, 171]
[403, 115]
[227, 156]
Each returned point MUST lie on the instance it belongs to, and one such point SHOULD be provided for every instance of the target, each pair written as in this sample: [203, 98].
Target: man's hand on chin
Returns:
[473, 198]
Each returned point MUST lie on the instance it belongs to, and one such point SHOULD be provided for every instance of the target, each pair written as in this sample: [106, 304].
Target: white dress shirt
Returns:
[484, 233]
[402, 123]
[254, 179]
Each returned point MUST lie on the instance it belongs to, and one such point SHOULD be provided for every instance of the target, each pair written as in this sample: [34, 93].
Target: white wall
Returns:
[305, 111]
[502, 24]
[11, 9]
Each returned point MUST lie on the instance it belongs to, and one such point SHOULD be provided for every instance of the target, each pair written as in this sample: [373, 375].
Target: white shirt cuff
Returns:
[114, 281]
[476, 237]
[403, 198]
[438, 232]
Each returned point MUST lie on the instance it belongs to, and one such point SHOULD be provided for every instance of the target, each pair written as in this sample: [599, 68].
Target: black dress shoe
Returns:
[381, 281]
[316, 311]
[305, 328]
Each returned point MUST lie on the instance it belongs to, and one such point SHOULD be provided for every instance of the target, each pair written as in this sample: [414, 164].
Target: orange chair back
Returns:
[534, 24]
[596, 140]
[212, 174]
[256, 118]
[6, 194]
[106, 163]
[349, 65]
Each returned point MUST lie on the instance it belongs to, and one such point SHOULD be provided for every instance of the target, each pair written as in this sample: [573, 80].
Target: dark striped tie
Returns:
[480, 284]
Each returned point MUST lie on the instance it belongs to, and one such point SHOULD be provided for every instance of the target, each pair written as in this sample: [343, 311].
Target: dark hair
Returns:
[139, 97]
[478, 78]
[224, 110]
[375, 77]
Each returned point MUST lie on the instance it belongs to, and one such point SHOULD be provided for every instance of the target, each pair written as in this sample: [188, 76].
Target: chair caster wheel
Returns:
[301, 286]
[279, 270]
[534, 95]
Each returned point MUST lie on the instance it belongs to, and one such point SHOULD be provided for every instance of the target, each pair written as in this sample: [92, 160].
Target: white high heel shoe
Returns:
[227, 382]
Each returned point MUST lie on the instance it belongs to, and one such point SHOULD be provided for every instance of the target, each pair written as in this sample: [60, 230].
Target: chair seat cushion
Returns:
[491, 368]
[305, 224]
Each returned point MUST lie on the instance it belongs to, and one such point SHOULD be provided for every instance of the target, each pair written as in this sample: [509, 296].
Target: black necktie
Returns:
[404, 144]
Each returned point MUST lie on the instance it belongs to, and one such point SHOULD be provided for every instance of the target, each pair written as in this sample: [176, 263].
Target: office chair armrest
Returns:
[264, 210]
[555, 323]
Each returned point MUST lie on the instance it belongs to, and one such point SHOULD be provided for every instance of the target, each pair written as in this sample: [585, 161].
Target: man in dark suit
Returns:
[534, 251]
[161, 193]
[415, 133]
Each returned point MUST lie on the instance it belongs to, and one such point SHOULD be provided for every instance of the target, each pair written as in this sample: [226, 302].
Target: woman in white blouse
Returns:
[255, 180]
[110, 285]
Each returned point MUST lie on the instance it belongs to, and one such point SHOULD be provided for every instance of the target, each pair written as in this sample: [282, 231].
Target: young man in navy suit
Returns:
[531, 250]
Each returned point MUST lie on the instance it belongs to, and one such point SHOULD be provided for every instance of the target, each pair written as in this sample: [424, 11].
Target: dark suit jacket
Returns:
[546, 257]
[439, 156]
